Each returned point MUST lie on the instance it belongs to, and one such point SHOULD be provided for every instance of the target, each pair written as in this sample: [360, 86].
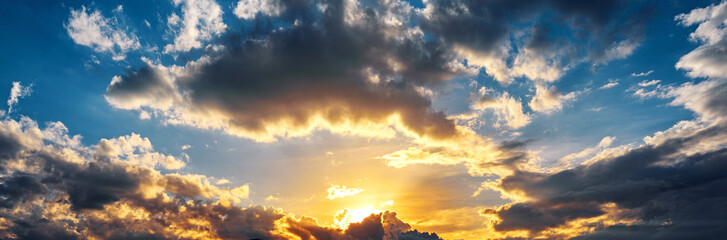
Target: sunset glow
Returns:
[363, 119]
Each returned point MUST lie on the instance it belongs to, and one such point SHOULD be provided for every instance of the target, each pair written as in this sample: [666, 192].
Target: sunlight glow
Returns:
[347, 216]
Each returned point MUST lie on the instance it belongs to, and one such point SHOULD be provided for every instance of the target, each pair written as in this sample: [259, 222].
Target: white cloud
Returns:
[507, 109]
[246, 9]
[548, 100]
[136, 150]
[569, 160]
[649, 89]
[709, 59]
[621, 50]
[647, 83]
[643, 74]
[706, 98]
[17, 92]
[536, 67]
[144, 115]
[201, 20]
[611, 83]
[90, 28]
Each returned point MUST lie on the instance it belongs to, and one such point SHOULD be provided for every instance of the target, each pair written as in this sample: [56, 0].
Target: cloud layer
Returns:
[53, 187]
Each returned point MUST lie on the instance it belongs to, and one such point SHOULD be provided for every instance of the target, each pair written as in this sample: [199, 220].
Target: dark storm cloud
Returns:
[19, 187]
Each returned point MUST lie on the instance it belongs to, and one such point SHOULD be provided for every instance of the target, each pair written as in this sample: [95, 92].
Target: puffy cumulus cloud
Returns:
[246, 9]
[709, 59]
[136, 150]
[351, 69]
[151, 84]
[549, 99]
[678, 175]
[484, 32]
[507, 109]
[51, 189]
[89, 28]
[200, 21]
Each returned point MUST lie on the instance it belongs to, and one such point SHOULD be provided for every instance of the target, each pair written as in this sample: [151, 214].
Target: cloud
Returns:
[246, 9]
[649, 89]
[569, 159]
[136, 150]
[65, 190]
[643, 74]
[647, 83]
[507, 109]
[677, 173]
[549, 100]
[611, 83]
[201, 20]
[611, 29]
[340, 191]
[89, 28]
[620, 50]
[16, 93]
[337, 81]
[709, 59]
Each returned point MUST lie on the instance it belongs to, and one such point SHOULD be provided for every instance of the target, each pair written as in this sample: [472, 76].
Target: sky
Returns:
[370, 119]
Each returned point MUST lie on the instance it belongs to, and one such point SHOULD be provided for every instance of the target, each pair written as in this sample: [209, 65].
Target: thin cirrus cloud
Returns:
[16, 93]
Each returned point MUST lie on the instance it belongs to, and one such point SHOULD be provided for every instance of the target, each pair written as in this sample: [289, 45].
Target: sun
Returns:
[347, 216]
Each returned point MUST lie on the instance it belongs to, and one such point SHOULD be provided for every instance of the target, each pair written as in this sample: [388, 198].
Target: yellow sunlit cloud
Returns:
[340, 191]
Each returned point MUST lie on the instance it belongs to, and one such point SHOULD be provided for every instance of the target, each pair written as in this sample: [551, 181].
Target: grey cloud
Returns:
[330, 67]
[654, 181]
[18, 188]
[674, 187]
[483, 25]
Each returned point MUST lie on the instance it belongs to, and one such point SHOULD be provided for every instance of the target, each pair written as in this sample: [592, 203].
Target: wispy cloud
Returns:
[643, 74]
[340, 191]
[16, 93]
[89, 28]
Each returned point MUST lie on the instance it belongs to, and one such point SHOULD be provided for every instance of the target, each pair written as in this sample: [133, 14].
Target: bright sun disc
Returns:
[347, 216]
